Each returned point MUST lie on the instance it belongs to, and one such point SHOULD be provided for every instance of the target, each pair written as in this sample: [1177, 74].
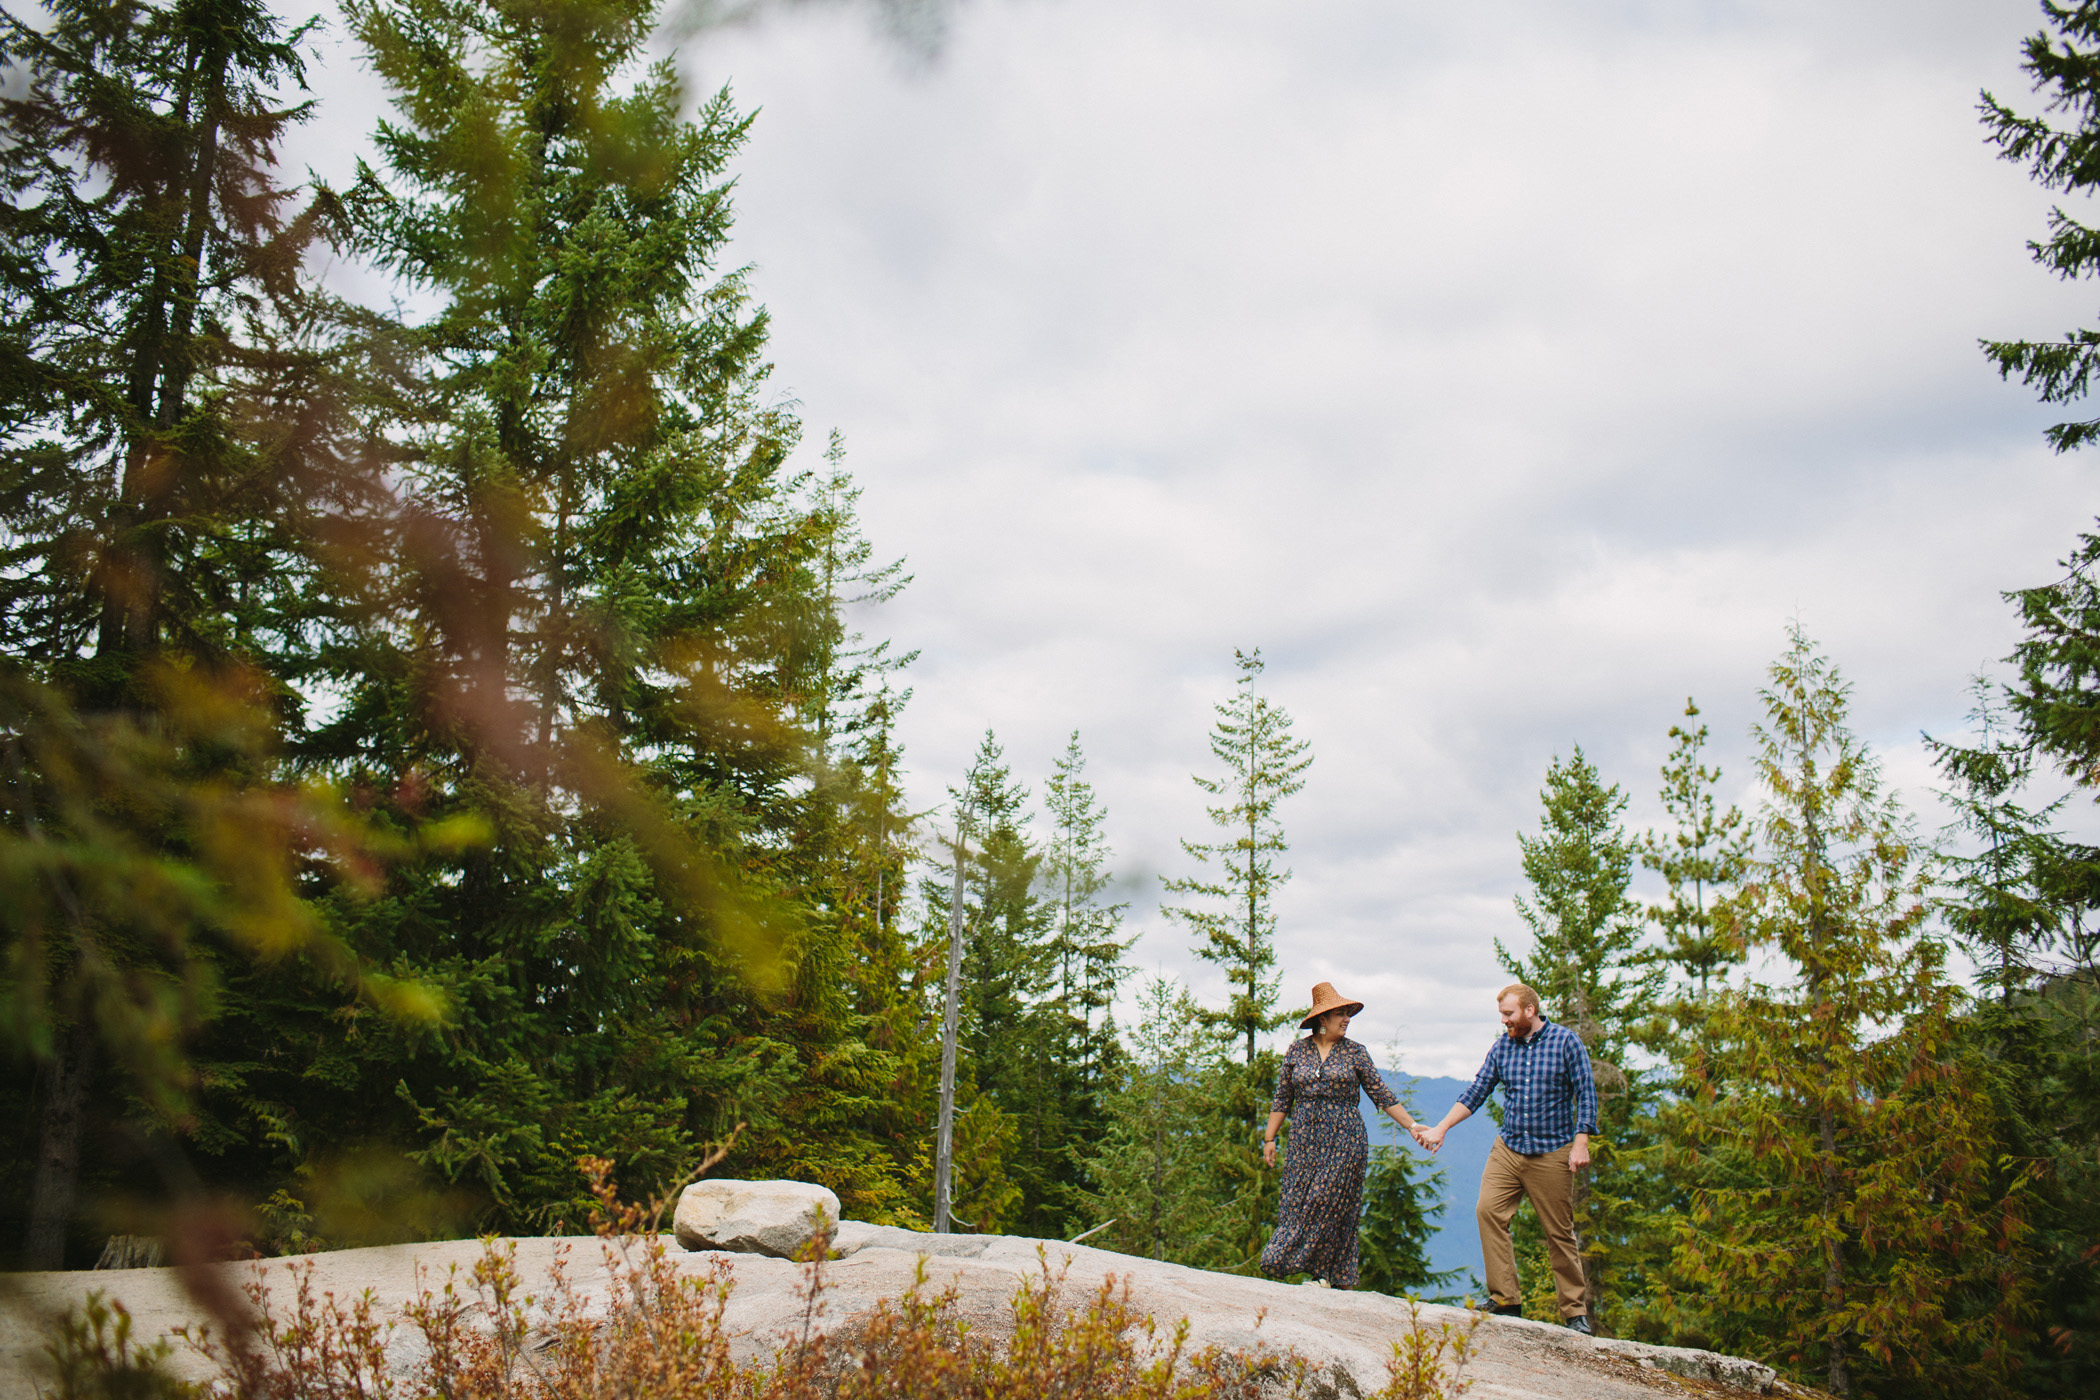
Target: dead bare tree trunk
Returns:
[944, 1141]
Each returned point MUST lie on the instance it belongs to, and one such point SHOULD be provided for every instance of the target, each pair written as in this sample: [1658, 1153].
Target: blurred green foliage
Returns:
[434, 748]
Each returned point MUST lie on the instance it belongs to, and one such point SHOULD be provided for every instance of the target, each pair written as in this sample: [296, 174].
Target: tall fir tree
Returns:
[1701, 862]
[2025, 886]
[159, 505]
[2022, 901]
[1846, 1219]
[154, 252]
[1087, 947]
[590, 674]
[1235, 918]
[532, 583]
[2062, 156]
[2027, 903]
[893, 972]
[1009, 980]
[1010, 1028]
[2000, 904]
[866, 1097]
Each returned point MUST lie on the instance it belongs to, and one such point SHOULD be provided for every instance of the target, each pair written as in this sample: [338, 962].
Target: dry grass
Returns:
[662, 1338]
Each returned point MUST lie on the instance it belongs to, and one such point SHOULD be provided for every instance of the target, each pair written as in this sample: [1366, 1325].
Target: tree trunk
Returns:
[181, 363]
[162, 367]
[1840, 1381]
[1822, 940]
[59, 1115]
[1159, 1160]
[1253, 920]
[944, 1141]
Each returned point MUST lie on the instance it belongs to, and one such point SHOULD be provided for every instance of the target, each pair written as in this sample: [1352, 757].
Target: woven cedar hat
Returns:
[1326, 999]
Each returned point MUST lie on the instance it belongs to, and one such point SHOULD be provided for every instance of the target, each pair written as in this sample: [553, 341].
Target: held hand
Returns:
[1268, 1154]
[1431, 1138]
[1578, 1156]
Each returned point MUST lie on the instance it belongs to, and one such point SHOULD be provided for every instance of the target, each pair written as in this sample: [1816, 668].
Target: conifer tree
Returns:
[2063, 157]
[533, 583]
[1403, 1196]
[1583, 962]
[1840, 1144]
[2025, 902]
[2028, 896]
[863, 1108]
[1235, 919]
[1085, 941]
[157, 512]
[603, 635]
[2022, 901]
[152, 246]
[1007, 966]
[1153, 1171]
[1236, 925]
[1010, 1029]
[891, 973]
[2001, 907]
[1041, 958]
[1701, 862]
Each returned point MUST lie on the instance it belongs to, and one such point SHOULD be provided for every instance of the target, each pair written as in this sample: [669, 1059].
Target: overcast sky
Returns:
[1505, 373]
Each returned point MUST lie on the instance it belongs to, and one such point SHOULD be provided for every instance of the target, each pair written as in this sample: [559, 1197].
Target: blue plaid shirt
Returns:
[1548, 1095]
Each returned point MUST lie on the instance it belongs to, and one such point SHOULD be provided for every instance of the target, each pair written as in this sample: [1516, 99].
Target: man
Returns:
[1549, 1110]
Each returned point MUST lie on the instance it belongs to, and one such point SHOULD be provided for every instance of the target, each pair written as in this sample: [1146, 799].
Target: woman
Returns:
[1323, 1174]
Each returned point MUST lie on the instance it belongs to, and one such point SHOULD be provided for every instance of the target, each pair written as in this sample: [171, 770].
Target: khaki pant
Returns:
[1546, 1181]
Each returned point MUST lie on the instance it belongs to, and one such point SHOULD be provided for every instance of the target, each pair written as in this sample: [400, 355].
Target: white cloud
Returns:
[1506, 374]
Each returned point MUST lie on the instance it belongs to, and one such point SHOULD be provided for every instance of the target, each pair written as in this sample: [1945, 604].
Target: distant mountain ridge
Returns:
[1456, 1243]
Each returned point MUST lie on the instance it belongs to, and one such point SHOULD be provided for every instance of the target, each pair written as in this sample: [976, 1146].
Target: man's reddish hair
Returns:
[1524, 995]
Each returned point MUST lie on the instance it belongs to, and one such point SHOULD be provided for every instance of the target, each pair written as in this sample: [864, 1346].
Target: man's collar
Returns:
[1536, 1032]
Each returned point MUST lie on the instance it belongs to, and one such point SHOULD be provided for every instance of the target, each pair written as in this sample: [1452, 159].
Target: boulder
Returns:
[774, 1218]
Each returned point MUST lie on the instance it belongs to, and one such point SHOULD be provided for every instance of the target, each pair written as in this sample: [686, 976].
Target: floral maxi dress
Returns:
[1324, 1160]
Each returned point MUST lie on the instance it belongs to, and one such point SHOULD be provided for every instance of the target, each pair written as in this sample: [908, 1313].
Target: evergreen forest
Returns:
[438, 748]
